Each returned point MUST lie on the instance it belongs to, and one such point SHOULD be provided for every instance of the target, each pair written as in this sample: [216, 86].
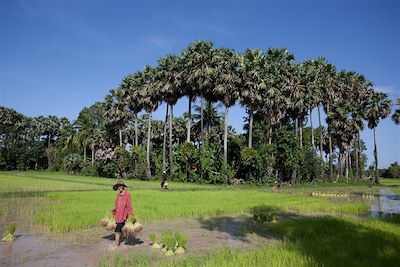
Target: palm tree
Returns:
[377, 107]
[396, 114]
[226, 88]
[169, 85]
[199, 68]
[252, 74]
[149, 99]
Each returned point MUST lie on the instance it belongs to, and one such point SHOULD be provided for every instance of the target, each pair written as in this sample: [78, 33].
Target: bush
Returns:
[72, 163]
[109, 169]
[89, 171]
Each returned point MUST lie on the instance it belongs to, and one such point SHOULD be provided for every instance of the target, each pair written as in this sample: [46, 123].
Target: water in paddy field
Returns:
[385, 203]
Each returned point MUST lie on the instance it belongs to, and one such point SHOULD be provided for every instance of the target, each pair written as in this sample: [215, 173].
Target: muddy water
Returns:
[385, 203]
[86, 248]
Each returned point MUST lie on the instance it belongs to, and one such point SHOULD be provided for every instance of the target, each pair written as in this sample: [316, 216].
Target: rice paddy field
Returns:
[316, 225]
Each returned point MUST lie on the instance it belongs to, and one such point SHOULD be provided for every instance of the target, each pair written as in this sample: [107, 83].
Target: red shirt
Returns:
[123, 206]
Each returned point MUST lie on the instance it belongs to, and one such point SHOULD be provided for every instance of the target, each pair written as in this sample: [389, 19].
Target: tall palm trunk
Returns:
[171, 163]
[321, 160]
[376, 158]
[250, 128]
[189, 119]
[48, 152]
[312, 130]
[301, 138]
[84, 153]
[356, 158]
[226, 143]
[360, 157]
[136, 131]
[93, 154]
[165, 142]
[148, 171]
[120, 137]
[201, 120]
[330, 150]
[349, 156]
[346, 154]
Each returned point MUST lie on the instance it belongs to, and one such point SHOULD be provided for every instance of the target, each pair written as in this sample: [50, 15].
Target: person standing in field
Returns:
[123, 209]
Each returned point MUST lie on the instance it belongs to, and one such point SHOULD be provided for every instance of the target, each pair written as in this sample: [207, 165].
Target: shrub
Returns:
[89, 171]
[72, 163]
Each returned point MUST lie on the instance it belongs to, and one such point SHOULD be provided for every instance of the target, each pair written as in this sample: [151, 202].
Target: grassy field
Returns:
[315, 241]
[323, 232]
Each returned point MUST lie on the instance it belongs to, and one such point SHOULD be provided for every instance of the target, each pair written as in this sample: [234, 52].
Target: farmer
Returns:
[164, 182]
[123, 209]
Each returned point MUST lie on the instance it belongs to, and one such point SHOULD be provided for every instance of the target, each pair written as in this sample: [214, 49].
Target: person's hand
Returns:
[114, 211]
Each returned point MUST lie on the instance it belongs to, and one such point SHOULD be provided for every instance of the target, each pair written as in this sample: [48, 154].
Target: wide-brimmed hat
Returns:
[120, 183]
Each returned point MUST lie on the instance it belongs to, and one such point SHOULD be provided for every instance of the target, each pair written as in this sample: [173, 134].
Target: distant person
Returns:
[164, 181]
[122, 210]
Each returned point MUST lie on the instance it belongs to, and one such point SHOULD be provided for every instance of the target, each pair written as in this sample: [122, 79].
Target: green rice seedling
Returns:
[132, 226]
[111, 225]
[181, 241]
[9, 233]
[154, 239]
[169, 242]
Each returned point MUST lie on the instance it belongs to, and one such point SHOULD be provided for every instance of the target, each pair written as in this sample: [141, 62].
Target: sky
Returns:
[59, 56]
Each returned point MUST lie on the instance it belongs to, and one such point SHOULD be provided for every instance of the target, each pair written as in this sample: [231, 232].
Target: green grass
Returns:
[78, 210]
[316, 241]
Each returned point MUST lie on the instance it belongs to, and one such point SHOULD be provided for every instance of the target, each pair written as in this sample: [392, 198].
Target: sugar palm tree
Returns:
[169, 81]
[149, 99]
[396, 114]
[199, 68]
[252, 74]
[377, 107]
[226, 88]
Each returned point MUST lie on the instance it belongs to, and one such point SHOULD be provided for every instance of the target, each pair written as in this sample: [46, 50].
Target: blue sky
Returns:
[58, 56]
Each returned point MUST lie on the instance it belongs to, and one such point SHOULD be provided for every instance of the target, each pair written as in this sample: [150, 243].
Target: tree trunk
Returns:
[250, 128]
[356, 158]
[301, 138]
[226, 143]
[84, 153]
[346, 153]
[312, 130]
[120, 137]
[201, 120]
[165, 142]
[270, 135]
[136, 131]
[189, 119]
[376, 158]
[361, 167]
[171, 162]
[93, 155]
[330, 151]
[349, 156]
[148, 171]
[321, 160]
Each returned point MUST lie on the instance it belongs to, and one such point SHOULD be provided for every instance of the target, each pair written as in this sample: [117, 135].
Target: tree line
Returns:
[118, 137]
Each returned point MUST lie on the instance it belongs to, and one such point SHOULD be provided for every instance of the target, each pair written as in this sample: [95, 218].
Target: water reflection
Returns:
[385, 203]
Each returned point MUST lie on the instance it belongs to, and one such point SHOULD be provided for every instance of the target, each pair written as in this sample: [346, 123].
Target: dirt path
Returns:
[86, 248]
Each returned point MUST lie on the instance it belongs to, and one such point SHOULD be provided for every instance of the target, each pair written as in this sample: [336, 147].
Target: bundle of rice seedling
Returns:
[9, 233]
[132, 226]
[111, 224]
[170, 244]
[109, 216]
[153, 237]
[181, 241]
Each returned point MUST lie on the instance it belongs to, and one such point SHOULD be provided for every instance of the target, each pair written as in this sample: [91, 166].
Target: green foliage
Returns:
[109, 169]
[72, 163]
[393, 171]
[168, 239]
[287, 151]
[89, 171]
